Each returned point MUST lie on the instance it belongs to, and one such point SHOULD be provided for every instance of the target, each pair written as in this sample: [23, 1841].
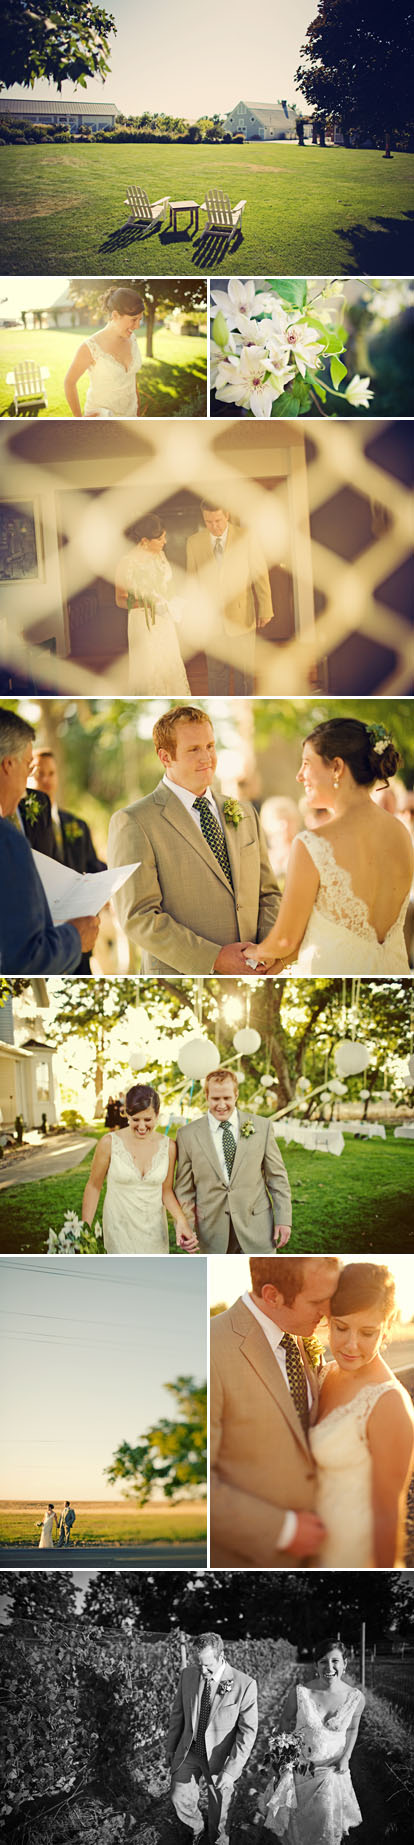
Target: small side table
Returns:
[177, 205]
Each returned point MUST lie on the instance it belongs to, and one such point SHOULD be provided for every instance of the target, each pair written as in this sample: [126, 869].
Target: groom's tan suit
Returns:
[261, 1464]
[240, 588]
[179, 907]
[251, 1200]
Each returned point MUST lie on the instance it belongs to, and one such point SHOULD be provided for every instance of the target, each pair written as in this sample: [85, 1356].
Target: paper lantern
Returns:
[246, 1040]
[326, 1096]
[198, 1057]
[268, 1082]
[337, 1088]
[351, 1058]
[302, 1085]
[364, 1095]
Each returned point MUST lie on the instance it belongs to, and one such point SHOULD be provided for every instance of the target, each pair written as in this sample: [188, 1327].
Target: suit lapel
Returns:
[231, 835]
[181, 820]
[241, 1148]
[208, 1143]
[259, 1355]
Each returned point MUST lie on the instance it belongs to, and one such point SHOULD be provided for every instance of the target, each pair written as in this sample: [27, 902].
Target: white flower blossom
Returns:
[357, 392]
[299, 342]
[250, 382]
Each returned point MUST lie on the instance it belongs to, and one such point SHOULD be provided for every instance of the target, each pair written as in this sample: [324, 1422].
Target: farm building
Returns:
[262, 121]
[58, 113]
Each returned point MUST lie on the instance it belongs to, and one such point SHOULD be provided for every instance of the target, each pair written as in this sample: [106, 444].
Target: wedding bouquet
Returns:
[283, 1756]
[75, 1238]
[144, 582]
[268, 345]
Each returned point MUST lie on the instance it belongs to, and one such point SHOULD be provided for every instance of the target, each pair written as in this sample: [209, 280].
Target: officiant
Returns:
[67, 837]
[29, 941]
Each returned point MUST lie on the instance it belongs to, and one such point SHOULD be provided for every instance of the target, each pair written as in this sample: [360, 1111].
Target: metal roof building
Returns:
[71, 112]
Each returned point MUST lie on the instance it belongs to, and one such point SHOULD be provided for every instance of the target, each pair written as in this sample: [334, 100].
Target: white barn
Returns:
[262, 121]
[57, 113]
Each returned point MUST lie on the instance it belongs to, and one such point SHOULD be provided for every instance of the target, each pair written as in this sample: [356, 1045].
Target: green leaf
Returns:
[285, 406]
[320, 391]
[293, 290]
[338, 372]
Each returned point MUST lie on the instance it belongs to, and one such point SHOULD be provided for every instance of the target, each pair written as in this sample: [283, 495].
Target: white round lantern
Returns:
[268, 1082]
[302, 1085]
[326, 1095]
[198, 1057]
[246, 1040]
[351, 1058]
[364, 1095]
[337, 1088]
[136, 1061]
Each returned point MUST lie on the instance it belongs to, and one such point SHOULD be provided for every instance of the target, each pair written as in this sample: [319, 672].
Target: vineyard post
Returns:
[183, 1650]
[363, 1638]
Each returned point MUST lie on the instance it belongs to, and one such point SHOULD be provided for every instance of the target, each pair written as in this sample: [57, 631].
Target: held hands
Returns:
[309, 1536]
[231, 960]
[186, 1237]
[263, 958]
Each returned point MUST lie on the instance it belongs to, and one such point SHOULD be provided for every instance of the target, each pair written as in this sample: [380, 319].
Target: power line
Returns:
[140, 1287]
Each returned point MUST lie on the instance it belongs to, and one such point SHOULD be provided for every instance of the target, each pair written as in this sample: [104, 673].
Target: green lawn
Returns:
[166, 1524]
[309, 210]
[172, 383]
[361, 1202]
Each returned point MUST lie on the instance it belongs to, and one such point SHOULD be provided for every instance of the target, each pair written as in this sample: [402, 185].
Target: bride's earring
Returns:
[336, 781]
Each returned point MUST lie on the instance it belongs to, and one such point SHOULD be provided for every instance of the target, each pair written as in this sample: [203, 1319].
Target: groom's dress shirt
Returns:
[188, 798]
[274, 1336]
[216, 1131]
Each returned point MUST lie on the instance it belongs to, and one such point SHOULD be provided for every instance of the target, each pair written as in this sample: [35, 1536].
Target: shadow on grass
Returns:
[128, 233]
[174, 389]
[382, 247]
[26, 410]
[211, 246]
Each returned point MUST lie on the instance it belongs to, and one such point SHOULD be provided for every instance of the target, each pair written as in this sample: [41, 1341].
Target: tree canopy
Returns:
[69, 40]
[173, 1454]
[308, 1606]
[359, 65]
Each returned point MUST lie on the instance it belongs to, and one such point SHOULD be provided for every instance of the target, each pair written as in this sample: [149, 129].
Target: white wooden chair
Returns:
[27, 379]
[141, 210]
[221, 215]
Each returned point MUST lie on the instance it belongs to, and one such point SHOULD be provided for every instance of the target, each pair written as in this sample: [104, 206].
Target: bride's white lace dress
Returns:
[340, 1448]
[318, 1808]
[155, 662]
[134, 1217]
[339, 938]
[112, 387]
[46, 1535]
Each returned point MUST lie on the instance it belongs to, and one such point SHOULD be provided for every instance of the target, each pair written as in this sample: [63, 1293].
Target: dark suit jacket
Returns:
[232, 1725]
[78, 852]
[39, 831]
[78, 844]
[29, 941]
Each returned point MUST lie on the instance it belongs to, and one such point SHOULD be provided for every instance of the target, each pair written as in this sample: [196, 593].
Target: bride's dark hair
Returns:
[123, 301]
[150, 526]
[363, 1285]
[140, 1097]
[357, 744]
[328, 1646]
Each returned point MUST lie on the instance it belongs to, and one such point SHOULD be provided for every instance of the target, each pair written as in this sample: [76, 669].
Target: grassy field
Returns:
[309, 210]
[172, 383]
[108, 1524]
[362, 1201]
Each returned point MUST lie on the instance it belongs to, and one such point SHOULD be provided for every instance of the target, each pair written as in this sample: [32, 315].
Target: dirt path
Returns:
[60, 1154]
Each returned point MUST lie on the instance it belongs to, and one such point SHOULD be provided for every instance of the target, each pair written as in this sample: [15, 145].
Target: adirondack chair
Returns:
[141, 210]
[29, 390]
[221, 215]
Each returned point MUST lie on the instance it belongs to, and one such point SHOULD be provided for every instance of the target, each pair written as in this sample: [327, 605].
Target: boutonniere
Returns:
[232, 812]
[224, 1685]
[313, 1351]
[73, 829]
[247, 1130]
[32, 805]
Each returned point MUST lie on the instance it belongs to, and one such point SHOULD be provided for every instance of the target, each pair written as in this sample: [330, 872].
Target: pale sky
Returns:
[228, 1279]
[84, 1360]
[186, 61]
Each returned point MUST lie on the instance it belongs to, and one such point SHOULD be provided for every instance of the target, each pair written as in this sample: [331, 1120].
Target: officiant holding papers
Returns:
[30, 942]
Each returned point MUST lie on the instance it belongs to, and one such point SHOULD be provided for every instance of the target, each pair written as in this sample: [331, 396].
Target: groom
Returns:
[212, 1729]
[230, 1178]
[67, 1519]
[264, 1398]
[204, 883]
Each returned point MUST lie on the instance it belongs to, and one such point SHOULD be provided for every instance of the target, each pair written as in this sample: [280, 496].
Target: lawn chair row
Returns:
[221, 215]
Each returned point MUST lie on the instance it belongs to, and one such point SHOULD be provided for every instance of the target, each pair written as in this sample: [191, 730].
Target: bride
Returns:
[138, 1165]
[315, 1803]
[363, 1440]
[112, 357]
[48, 1525]
[348, 883]
[155, 662]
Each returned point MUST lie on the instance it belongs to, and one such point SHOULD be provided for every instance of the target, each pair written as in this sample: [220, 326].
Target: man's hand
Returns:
[309, 1536]
[281, 1235]
[187, 1239]
[231, 960]
[88, 929]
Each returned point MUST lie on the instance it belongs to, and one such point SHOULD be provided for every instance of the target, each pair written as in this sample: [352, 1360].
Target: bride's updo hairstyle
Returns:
[150, 526]
[363, 1286]
[123, 301]
[328, 1646]
[139, 1098]
[369, 753]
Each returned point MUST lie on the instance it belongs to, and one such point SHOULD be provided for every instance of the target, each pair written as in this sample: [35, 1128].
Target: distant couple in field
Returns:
[204, 898]
[213, 1729]
[52, 1527]
[311, 1461]
[222, 1179]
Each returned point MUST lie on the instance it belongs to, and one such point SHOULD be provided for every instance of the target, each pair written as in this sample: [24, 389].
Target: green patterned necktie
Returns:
[212, 832]
[229, 1145]
[296, 1379]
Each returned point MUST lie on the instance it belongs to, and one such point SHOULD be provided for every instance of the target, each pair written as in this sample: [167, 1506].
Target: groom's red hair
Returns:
[286, 1273]
[164, 732]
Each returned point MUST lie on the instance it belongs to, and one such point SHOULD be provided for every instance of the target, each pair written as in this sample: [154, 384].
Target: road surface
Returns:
[99, 1556]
